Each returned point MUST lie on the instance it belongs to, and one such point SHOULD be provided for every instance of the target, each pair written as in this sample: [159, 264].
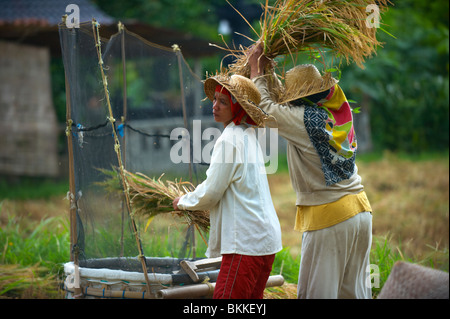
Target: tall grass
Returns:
[285, 264]
[33, 253]
[29, 282]
[30, 242]
[31, 256]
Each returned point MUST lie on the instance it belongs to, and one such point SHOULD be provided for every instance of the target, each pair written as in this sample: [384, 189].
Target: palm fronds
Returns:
[338, 27]
[150, 197]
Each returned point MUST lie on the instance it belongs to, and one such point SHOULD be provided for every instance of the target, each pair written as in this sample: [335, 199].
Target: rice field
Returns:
[409, 196]
[410, 200]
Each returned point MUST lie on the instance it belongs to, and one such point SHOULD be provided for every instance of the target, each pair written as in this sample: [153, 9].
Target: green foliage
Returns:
[29, 243]
[407, 82]
[384, 255]
[58, 88]
[43, 247]
[32, 256]
[172, 244]
[286, 265]
[384, 258]
[192, 16]
[32, 188]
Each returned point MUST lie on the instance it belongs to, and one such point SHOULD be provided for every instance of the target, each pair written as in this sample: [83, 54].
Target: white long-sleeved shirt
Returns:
[236, 191]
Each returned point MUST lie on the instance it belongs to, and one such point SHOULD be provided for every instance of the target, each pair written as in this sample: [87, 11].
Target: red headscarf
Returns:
[238, 112]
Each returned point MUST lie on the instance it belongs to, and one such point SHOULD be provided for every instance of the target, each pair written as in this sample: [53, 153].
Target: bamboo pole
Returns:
[124, 117]
[72, 199]
[109, 293]
[95, 30]
[183, 98]
[74, 250]
[183, 103]
[203, 290]
[124, 75]
[180, 292]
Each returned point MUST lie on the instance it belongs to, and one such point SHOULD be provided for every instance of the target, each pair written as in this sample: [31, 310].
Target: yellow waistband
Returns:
[321, 216]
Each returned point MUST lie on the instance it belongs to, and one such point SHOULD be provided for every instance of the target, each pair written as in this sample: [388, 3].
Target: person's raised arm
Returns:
[257, 60]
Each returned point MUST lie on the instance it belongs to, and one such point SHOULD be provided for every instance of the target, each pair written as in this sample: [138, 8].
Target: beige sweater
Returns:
[305, 168]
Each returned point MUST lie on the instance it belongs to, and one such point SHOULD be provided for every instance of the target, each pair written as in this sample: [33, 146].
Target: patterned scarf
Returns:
[329, 123]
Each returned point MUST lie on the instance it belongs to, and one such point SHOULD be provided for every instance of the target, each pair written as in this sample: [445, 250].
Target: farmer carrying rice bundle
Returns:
[315, 118]
[333, 211]
[244, 227]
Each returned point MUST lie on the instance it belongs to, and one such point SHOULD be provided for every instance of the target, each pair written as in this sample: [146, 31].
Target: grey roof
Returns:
[48, 12]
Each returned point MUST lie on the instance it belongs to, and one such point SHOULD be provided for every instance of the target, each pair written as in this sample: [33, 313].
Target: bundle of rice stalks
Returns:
[339, 27]
[151, 197]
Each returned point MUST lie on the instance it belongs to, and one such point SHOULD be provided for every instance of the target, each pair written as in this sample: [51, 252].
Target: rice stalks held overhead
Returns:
[342, 28]
[151, 197]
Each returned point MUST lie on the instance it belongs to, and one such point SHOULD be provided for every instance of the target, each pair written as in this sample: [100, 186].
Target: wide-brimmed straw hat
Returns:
[304, 80]
[244, 91]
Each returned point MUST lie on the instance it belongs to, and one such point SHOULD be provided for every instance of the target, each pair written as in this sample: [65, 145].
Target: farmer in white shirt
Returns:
[245, 229]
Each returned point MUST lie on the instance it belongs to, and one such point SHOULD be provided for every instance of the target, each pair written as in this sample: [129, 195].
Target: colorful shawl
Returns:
[329, 123]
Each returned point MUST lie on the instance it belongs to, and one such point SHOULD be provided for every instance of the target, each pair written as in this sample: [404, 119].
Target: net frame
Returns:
[73, 130]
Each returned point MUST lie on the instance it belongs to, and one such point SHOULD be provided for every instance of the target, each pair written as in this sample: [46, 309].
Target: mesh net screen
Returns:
[152, 91]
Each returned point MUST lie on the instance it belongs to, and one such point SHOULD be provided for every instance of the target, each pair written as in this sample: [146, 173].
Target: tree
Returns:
[407, 81]
[404, 87]
[198, 17]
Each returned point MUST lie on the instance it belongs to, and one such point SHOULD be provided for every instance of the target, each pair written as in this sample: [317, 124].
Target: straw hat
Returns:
[304, 80]
[244, 91]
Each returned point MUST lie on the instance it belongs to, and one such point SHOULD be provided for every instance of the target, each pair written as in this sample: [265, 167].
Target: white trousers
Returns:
[334, 260]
